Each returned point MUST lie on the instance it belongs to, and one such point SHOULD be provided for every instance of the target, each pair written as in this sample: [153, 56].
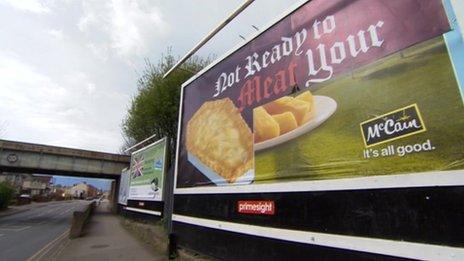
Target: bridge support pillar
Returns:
[114, 194]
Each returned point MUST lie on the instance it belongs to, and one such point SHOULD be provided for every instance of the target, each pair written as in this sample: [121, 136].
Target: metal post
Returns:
[138, 144]
[210, 35]
[168, 188]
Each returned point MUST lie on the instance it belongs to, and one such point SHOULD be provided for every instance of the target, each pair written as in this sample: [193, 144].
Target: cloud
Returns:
[16, 78]
[130, 24]
[72, 112]
[57, 34]
[66, 77]
[100, 51]
[90, 88]
[33, 6]
[126, 27]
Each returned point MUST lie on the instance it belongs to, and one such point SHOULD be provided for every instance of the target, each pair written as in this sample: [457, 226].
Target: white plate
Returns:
[246, 178]
[324, 106]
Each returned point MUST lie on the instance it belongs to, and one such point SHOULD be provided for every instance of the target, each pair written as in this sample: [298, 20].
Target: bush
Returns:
[155, 107]
[57, 196]
[40, 198]
[6, 194]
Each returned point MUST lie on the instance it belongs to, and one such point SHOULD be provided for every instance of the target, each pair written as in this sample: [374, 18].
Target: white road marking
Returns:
[60, 210]
[37, 214]
[66, 211]
[58, 215]
[52, 209]
[15, 228]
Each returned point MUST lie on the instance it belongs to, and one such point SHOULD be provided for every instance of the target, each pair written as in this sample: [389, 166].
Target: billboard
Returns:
[326, 94]
[147, 172]
[124, 187]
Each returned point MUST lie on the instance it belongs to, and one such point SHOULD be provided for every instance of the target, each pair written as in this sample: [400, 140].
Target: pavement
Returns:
[106, 239]
[24, 230]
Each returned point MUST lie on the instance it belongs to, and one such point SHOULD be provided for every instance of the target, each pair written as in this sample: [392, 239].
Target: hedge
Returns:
[6, 194]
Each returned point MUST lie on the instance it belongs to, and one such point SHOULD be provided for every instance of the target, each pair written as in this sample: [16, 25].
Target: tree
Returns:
[155, 107]
[6, 194]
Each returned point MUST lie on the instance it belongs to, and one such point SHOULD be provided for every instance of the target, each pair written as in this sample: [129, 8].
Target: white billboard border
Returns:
[397, 248]
[164, 139]
[418, 179]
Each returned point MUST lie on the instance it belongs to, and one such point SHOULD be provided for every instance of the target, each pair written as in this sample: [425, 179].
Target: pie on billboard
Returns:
[219, 138]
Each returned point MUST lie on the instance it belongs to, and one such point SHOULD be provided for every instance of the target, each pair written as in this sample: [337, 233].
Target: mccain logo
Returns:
[394, 125]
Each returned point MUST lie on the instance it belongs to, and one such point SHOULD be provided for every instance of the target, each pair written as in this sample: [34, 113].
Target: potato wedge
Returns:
[286, 121]
[264, 125]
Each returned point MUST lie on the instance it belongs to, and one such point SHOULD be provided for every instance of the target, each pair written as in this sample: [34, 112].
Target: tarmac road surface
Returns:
[23, 234]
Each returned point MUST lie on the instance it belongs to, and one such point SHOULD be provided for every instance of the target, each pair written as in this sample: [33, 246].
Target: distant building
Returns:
[83, 190]
[37, 185]
[13, 179]
[28, 183]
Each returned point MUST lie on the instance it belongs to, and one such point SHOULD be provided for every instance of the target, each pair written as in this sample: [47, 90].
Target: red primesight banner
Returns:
[260, 207]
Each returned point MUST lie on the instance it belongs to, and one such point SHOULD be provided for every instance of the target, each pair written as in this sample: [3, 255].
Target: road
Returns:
[23, 234]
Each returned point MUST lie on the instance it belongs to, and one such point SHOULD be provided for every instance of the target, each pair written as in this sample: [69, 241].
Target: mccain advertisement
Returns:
[337, 89]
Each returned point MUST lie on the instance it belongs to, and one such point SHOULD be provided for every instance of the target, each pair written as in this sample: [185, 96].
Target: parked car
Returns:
[24, 199]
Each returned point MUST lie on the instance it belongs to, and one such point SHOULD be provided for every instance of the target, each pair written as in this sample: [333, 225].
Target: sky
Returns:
[70, 181]
[69, 69]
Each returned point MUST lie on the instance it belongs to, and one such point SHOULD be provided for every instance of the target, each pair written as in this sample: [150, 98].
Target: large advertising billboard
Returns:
[327, 93]
[147, 172]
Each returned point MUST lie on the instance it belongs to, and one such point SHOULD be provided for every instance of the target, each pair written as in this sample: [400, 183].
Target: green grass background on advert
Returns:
[421, 74]
[150, 155]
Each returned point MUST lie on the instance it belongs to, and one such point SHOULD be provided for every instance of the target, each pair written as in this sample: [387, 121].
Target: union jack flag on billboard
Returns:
[138, 167]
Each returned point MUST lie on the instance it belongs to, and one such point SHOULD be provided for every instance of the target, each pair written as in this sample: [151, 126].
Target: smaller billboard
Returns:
[123, 187]
[147, 172]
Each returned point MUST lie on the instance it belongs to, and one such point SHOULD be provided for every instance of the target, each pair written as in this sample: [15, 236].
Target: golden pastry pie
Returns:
[219, 137]
[282, 115]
